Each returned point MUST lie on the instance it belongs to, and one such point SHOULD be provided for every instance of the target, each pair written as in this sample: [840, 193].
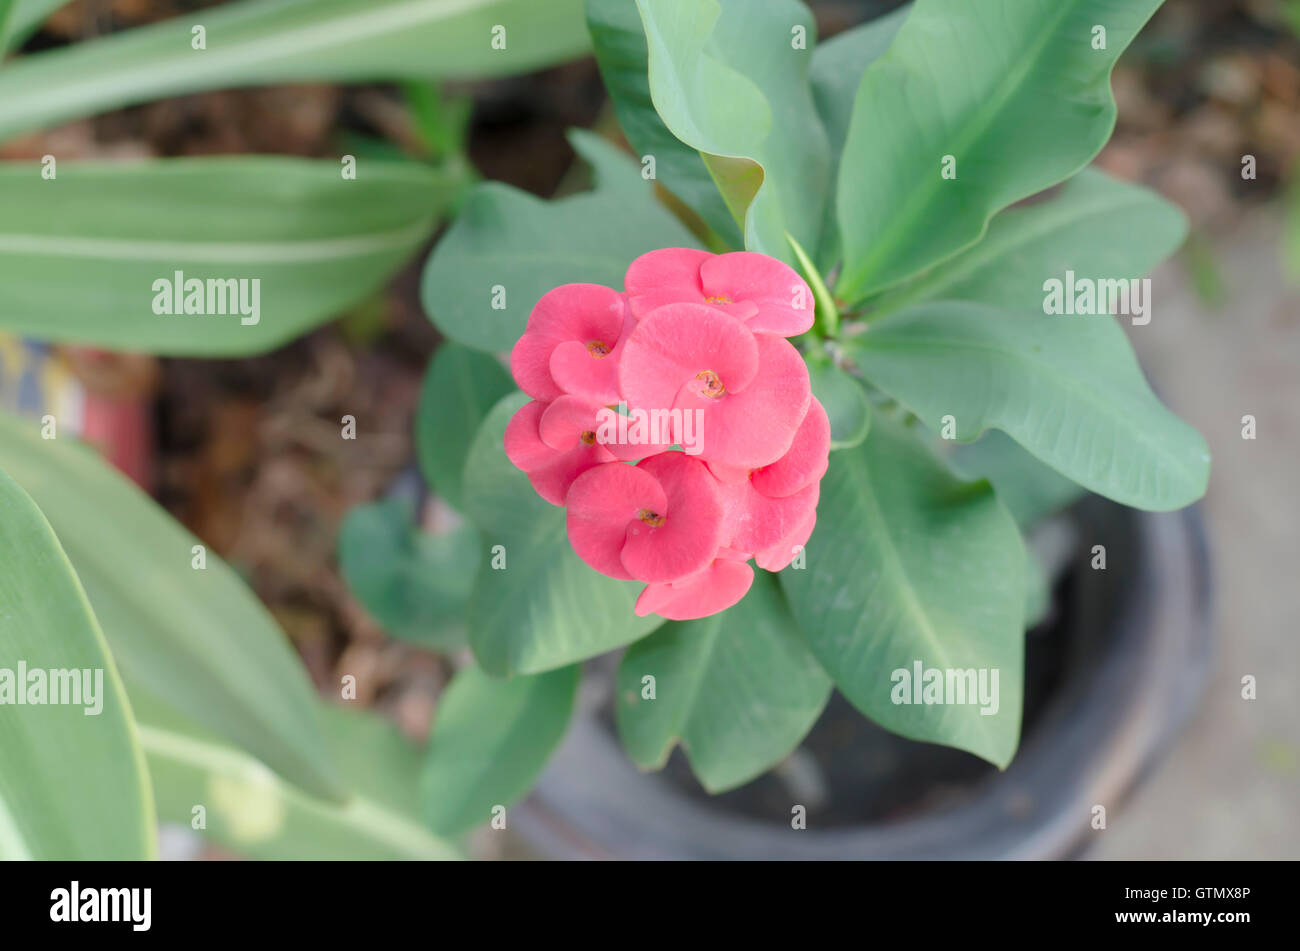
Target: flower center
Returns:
[711, 385]
[653, 519]
[598, 349]
[719, 299]
[588, 437]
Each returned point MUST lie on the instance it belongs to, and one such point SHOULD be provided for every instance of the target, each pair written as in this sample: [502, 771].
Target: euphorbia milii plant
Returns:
[847, 291]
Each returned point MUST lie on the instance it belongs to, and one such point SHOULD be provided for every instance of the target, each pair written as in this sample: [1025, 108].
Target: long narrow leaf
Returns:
[195, 637]
[72, 777]
[82, 255]
[279, 41]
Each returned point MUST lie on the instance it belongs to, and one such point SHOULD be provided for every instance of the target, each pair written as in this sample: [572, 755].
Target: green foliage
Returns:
[509, 248]
[738, 690]
[73, 785]
[491, 740]
[197, 638]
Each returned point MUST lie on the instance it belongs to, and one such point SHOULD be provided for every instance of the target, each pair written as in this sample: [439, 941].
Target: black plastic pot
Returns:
[1109, 680]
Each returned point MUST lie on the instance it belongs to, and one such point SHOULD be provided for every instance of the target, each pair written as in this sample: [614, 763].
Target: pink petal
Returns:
[782, 553]
[755, 426]
[523, 442]
[552, 480]
[756, 522]
[603, 503]
[707, 592]
[728, 475]
[564, 422]
[677, 343]
[631, 437]
[666, 276]
[550, 471]
[784, 301]
[579, 370]
[692, 521]
[806, 460]
[588, 314]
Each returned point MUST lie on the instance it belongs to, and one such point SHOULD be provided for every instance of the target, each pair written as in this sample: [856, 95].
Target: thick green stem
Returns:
[828, 316]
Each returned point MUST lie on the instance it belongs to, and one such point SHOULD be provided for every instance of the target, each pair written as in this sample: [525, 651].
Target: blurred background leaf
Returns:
[72, 785]
[279, 41]
[317, 242]
[416, 585]
[251, 811]
[198, 639]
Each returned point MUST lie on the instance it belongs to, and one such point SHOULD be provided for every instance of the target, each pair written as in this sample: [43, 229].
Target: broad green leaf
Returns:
[257, 42]
[1029, 489]
[619, 42]
[1067, 388]
[545, 608]
[73, 783]
[197, 638]
[837, 68]
[1012, 90]
[459, 389]
[251, 811]
[738, 690]
[507, 242]
[415, 584]
[845, 401]
[491, 739]
[1097, 226]
[316, 243]
[730, 78]
[909, 565]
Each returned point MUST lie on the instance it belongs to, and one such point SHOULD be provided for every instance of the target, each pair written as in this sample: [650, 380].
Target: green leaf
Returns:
[728, 80]
[909, 565]
[415, 584]
[198, 639]
[459, 389]
[1067, 388]
[508, 239]
[837, 68]
[317, 243]
[618, 39]
[285, 41]
[546, 608]
[252, 812]
[845, 401]
[1096, 226]
[24, 18]
[1029, 489]
[490, 741]
[739, 690]
[73, 784]
[1012, 90]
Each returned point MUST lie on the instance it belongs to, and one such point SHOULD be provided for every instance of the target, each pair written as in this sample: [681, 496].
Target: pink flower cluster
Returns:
[694, 333]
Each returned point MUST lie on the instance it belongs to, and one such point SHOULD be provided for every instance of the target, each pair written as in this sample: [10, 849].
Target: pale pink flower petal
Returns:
[719, 586]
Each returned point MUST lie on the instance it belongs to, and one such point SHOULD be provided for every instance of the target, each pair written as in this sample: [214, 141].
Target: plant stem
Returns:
[828, 316]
